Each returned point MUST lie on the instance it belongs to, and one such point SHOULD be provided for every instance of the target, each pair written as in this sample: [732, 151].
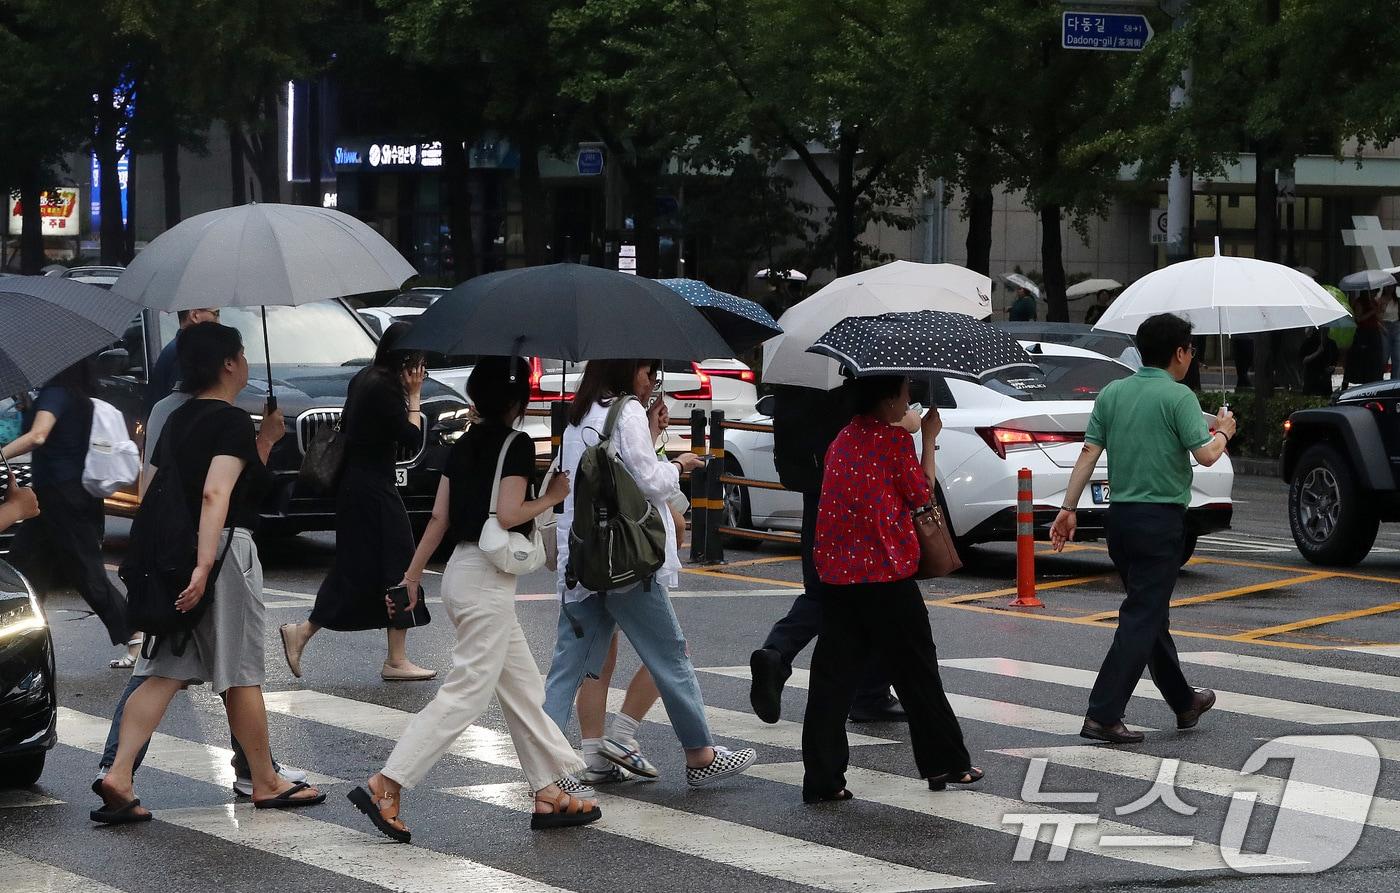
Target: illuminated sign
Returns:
[58, 213]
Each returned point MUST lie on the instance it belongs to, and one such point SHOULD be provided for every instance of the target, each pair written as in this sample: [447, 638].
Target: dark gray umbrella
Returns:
[566, 312]
[926, 341]
[47, 324]
[741, 322]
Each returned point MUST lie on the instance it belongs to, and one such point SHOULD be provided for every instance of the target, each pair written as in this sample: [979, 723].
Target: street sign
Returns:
[1111, 31]
[1157, 226]
[1287, 186]
[590, 162]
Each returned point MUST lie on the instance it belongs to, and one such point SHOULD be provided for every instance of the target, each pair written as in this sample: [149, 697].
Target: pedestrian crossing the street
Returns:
[754, 833]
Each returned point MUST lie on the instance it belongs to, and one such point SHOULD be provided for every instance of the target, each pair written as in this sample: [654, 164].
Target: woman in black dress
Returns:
[373, 536]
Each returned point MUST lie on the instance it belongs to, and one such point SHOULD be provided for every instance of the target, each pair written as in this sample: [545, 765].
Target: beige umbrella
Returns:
[1092, 286]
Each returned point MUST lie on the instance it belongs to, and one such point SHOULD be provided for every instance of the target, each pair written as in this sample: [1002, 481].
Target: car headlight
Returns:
[19, 616]
[451, 424]
[450, 414]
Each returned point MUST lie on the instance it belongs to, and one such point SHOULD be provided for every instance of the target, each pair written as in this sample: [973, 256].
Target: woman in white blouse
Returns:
[643, 612]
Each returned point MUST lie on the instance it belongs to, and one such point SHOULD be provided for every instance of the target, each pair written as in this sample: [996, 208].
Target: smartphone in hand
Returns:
[402, 617]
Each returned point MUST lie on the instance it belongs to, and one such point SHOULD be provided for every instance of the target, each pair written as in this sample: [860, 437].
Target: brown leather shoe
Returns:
[1203, 700]
[1116, 733]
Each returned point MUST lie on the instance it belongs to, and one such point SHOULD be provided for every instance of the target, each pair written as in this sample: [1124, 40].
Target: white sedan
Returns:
[990, 432]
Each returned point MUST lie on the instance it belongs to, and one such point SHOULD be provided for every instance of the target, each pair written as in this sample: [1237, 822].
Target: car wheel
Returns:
[1188, 548]
[21, 772]
[1332, 523]
[736, 512]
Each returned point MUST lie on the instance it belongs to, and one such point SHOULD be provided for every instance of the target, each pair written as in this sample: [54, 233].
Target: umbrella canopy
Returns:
[1366, 280]
[790, 275]
[1225, 296]
[48, 323]
[1021, 281]
[901, 286]
[927, 341]
[258, 255]
[566, 312]
[1091, 286]
[741, 322]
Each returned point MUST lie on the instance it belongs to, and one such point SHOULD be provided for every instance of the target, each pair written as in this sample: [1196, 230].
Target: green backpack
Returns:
[618, 537]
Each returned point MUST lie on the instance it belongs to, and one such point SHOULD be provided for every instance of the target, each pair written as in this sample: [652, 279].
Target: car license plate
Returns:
[401, 478]
[1099, 492]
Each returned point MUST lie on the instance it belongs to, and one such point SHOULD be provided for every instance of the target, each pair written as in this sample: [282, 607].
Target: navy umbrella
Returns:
[48, 323]
[923, 342]
[566, 312]
[741, 322]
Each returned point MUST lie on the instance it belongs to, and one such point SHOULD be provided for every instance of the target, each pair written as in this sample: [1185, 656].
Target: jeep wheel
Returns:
[1332, 523]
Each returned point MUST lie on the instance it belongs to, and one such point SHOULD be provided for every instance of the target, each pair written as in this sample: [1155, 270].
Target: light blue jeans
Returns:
[648, 621]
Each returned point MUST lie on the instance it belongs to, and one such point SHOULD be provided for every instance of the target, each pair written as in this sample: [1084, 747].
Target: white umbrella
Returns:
[1224, 296]
[1021, 281]
[262, 254]
[897, 287]
[790, 275]
[1091, 286]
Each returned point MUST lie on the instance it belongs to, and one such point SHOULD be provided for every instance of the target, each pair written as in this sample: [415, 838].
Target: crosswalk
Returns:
[779, 842]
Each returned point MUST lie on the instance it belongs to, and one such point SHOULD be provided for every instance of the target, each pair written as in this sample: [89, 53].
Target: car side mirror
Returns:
[116, 361]
[765, 405]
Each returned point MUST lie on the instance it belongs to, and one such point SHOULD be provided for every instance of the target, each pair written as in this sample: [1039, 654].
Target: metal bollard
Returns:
[714, 489]
[699, 510]
[1025, 543]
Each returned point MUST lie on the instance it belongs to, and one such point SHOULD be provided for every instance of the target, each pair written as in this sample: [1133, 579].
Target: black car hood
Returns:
[300, 388]
[1373, 391]
[12, 585]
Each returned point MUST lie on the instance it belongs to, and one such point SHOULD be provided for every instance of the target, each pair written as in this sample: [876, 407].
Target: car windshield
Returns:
[421, 298]
[1060, 378]
[322, 334]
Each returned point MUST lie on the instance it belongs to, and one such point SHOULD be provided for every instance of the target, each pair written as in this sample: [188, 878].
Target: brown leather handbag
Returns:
[938, 557]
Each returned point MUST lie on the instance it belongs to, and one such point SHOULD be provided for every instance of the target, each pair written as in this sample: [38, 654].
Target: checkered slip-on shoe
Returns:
[726, 763]
[610, 775]
[575, 788]
[629, 756]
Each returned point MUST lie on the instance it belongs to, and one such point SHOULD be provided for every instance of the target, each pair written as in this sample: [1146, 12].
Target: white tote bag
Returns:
[511, 553]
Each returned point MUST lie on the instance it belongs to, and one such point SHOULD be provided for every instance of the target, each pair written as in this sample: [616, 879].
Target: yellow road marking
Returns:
[1224, 594]
[722, 575]
[1011, 590]
[1253, 634]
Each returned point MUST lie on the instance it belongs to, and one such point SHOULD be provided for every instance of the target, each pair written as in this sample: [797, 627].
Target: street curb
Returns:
[1264, 468]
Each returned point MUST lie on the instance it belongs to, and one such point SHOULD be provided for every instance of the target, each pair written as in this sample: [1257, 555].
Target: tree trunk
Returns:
[641, 195]
[1052, 262]
[269, 174]
[979, 231]
[104, 145]
[313, 140]
[459, 209]
[533, 205]
[845, 210]
[31, 240]
[170, 176]
[237, 170]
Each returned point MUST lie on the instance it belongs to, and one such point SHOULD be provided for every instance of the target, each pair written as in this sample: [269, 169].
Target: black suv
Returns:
[1342, 465]
[316, 350]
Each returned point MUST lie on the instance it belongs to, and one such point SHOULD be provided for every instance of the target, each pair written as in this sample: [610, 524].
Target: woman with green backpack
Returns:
[609, 454]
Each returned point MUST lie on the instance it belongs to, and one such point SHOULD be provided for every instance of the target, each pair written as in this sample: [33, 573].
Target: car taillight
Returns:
[701, 393]
[537, 392]
[1002, 440]
[1287, 426]
[741, 374]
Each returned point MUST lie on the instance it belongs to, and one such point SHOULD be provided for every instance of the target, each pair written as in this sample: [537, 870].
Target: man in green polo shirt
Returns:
[1150, 424]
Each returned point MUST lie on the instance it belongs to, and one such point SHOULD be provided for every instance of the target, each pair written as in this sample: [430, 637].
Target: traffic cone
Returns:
[1025, 543]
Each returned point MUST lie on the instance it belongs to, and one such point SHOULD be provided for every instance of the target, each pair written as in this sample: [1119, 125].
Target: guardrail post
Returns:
[699, 511]
[1025, 543]
[714, 489]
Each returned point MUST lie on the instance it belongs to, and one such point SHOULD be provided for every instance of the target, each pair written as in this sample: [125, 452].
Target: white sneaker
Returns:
[607, 775]
[629, 756]
[726, 763]
[243, 787]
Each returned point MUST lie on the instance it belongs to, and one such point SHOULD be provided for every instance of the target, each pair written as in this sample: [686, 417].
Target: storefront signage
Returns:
[379, 155]
[58, 213]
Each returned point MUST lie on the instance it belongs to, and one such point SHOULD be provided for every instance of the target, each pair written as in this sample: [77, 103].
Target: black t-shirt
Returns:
[198, 433]
[470, 468]
[64, 453]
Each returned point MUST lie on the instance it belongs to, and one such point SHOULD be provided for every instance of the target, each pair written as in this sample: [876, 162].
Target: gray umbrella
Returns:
[47, 324]
[1366, 280]
[262, 254]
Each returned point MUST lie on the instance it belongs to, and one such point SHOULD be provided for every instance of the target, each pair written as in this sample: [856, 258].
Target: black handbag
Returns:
[325, 457]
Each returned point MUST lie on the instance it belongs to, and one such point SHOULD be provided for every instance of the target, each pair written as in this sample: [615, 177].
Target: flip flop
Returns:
[941, 782]
[288, 800]
[125, 814]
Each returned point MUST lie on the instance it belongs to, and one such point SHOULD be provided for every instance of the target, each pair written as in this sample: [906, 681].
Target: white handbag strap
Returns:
[500, 466]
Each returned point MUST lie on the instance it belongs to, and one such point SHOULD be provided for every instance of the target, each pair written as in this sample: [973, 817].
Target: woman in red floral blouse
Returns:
[867, 553]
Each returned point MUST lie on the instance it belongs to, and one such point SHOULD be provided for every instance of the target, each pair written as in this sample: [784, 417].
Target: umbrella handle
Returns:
[267, 355]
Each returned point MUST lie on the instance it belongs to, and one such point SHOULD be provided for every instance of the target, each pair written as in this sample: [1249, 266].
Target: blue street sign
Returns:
[590, 162]
[1111, 31]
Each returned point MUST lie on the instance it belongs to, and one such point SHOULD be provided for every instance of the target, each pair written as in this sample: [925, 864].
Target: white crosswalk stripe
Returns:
[14, 799]
[1291, 669]
[1378, 650]
[986, 811]
[22, 875]
[1228, 701]
[740, 846]
[1001, 713]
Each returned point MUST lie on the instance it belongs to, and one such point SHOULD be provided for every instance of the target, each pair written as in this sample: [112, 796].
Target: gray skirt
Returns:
[226, 648]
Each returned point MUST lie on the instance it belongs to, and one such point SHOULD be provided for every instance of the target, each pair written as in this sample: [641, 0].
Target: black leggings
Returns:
[890, 619]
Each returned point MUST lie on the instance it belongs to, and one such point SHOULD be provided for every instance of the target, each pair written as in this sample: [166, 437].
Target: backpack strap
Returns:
[500, 466]
[614, 413]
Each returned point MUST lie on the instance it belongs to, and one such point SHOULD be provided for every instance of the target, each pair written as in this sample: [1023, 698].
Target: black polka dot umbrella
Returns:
[922, 342]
